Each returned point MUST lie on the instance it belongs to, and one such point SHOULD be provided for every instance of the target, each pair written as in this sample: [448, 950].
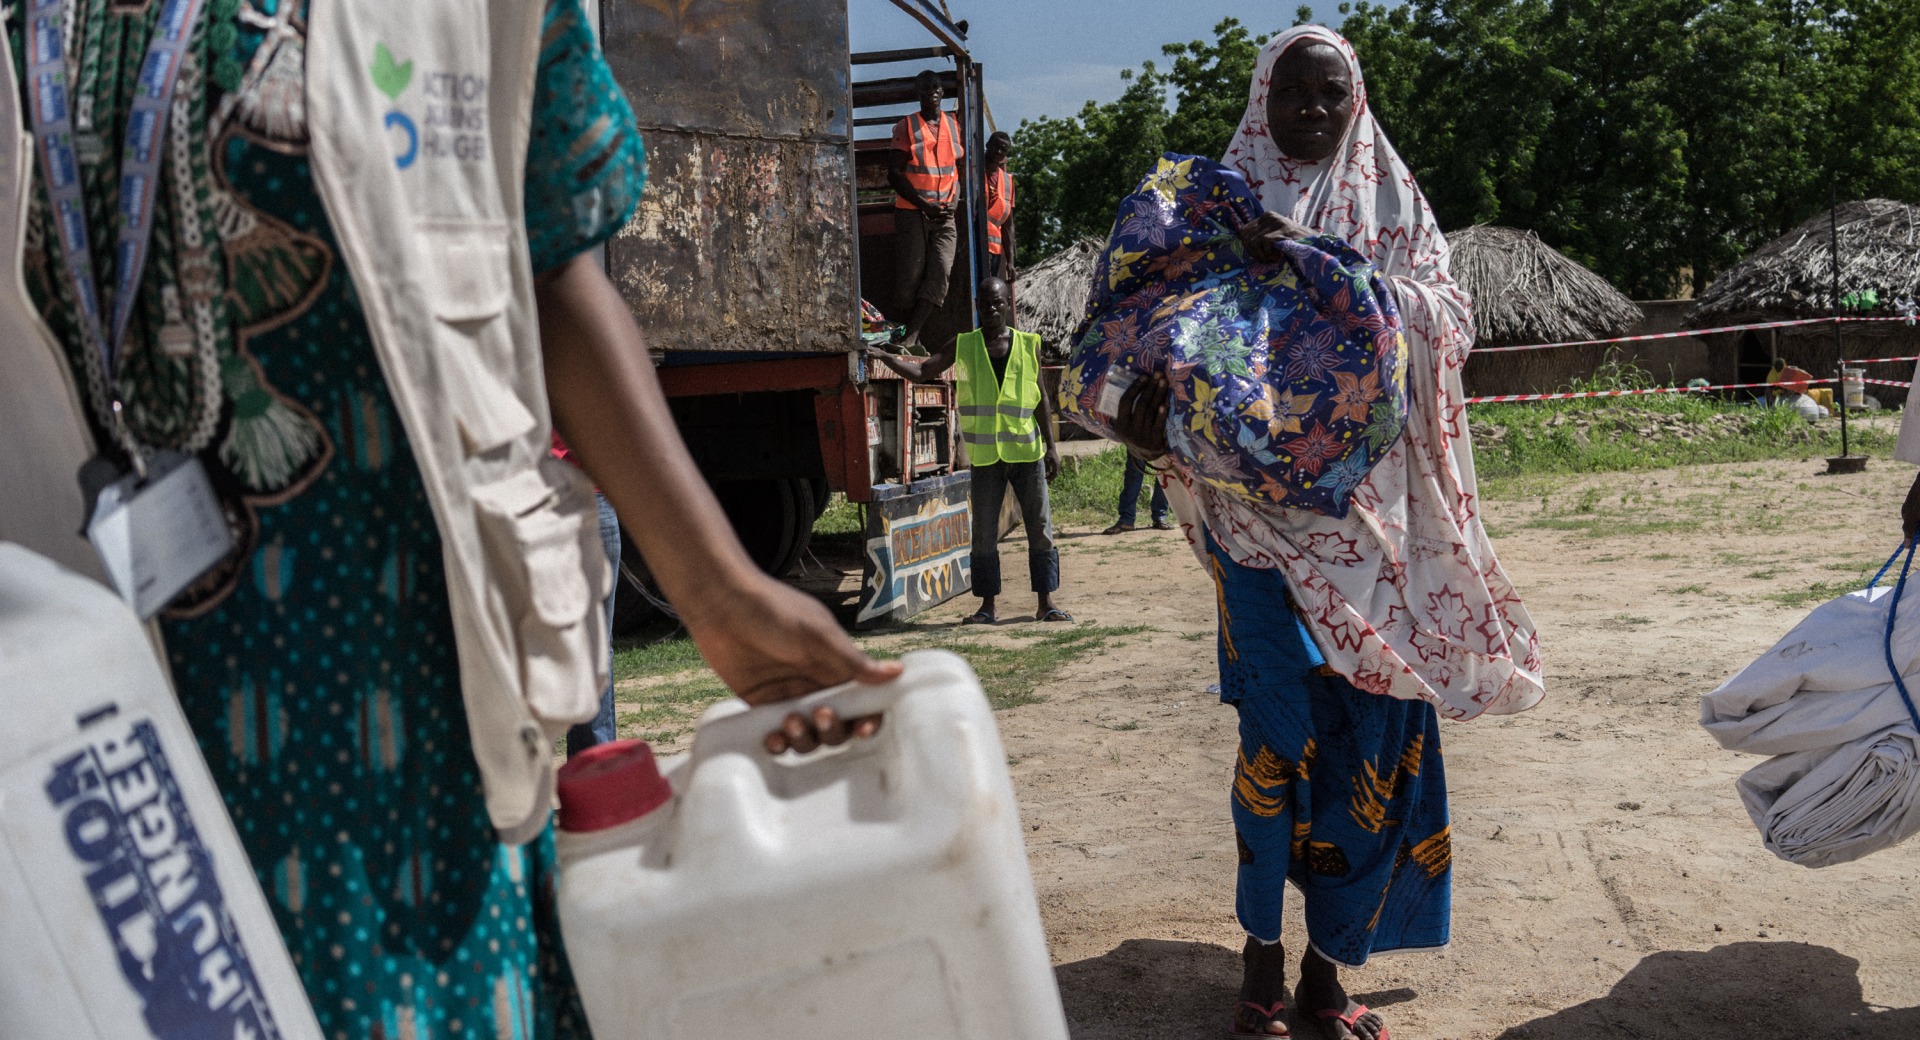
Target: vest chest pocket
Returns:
[469, 282]
[540, 532]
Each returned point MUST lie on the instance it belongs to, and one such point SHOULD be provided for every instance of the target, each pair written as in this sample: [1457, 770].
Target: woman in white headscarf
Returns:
[1400, 612]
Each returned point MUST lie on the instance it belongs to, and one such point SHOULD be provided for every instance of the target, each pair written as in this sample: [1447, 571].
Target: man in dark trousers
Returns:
[1007, 425]
[999, 197]
[924, 170]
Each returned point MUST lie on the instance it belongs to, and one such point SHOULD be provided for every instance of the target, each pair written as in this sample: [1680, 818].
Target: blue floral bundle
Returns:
[1289, 379]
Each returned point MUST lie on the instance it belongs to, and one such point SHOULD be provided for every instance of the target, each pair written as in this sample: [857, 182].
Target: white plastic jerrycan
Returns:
[127, 907]
[877, 890]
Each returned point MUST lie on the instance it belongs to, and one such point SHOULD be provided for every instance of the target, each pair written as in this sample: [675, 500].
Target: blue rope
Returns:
[1885, 567]
[1893, 612]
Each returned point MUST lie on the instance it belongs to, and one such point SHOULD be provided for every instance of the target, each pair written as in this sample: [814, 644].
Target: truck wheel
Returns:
[634, 594]
[767, 517]
[801, 489]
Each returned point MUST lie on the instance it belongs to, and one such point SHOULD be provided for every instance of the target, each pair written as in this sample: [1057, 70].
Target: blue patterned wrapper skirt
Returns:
[1341, 792]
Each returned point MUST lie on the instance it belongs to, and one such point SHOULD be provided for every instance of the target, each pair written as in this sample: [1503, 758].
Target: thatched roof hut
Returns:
[1792, 276]
[1524, 291]
[1051, 296]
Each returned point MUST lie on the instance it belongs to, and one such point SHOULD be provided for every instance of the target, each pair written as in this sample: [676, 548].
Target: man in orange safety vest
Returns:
[999, 207]
[924, 171]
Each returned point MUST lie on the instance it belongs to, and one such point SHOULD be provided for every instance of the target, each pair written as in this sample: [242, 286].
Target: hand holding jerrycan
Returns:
[878, 889]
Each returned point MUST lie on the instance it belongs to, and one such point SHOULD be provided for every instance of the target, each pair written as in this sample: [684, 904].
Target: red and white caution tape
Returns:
[1878, 360]
[1509, 398]
[1682, 334]
[1886, 382]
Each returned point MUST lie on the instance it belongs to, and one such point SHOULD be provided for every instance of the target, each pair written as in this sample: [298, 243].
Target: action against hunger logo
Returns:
[455, 122]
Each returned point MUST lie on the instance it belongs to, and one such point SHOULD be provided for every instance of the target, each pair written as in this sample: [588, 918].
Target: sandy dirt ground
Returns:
[1607, 882]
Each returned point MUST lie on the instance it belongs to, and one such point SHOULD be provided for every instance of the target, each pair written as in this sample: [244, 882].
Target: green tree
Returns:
[1657, 141]
[1073, 172]
[1870, 132]
[1208, 81]
[1747, 92]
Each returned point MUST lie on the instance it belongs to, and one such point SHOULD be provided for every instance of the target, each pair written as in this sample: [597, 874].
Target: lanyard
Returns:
[49, 89]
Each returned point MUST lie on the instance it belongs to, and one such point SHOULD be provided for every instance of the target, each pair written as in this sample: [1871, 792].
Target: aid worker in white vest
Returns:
[308, 286]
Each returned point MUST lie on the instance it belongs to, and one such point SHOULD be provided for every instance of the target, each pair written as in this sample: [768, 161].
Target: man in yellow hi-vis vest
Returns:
[1007, 426]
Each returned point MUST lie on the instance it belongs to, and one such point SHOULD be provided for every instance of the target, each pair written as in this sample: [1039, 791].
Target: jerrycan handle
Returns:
[745, 732]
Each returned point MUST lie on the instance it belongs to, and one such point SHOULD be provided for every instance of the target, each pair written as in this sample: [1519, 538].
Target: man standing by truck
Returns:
[999, 207]
[1008, 429]
[924, 170]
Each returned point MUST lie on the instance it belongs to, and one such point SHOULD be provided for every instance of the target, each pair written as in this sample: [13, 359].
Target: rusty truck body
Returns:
[766, 219]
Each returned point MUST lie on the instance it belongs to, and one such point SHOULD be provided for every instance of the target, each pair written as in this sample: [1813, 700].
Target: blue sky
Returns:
[1049, 57]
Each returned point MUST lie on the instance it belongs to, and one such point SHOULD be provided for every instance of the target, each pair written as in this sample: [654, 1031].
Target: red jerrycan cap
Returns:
[610, 784]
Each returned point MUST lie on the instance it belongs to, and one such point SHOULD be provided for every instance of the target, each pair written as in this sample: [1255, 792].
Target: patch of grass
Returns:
[1083, 495]
[1765, 575]
[661, 684]
[1519, 447]
[1597, 435]
[1632, 619]
[1597, 515]
[667, 685]
[1686, 590]
[1012, 666]
[1136, 546]
[1609, 525]
[662, 713]
[1088, 488]
[660, 649]
[1821, 591]
[1859, 570]
[1125, 727]
[841, 518]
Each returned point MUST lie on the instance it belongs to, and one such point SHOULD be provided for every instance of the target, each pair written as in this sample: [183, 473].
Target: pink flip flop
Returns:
[1350, 1019]
[1270, 1015]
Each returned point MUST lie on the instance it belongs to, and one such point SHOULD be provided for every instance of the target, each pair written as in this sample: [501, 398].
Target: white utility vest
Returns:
[430, 225]
[43, 439]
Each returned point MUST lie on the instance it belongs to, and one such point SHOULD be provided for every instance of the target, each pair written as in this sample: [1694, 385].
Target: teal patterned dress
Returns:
[319, 670]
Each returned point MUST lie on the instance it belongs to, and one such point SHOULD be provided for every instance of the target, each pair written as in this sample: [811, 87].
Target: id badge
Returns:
[158, 536]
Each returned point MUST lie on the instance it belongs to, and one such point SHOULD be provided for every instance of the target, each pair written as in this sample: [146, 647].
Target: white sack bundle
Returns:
[1845, 781]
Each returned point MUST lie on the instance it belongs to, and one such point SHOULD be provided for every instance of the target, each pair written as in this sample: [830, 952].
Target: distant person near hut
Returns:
[999, 207]
[1008, 428]
[924, 170]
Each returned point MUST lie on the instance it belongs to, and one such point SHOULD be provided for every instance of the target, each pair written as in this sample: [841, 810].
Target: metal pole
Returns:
[1833, 238]
[1847, 462]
